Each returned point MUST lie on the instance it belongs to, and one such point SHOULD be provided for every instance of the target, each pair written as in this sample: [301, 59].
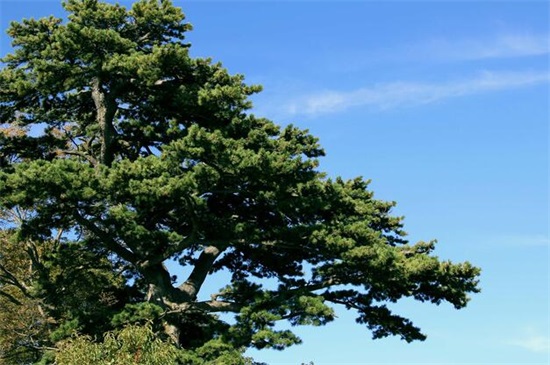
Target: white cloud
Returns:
[517, 240]
[439, 49]
[501, 46]
[530, 240]
[396, 94]
[534, 342]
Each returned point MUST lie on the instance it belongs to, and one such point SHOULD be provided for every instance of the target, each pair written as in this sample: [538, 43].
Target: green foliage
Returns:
[141, 154]
[64, 330]
[141, 345]
[137, 313]
[215, 352]
[132, 345]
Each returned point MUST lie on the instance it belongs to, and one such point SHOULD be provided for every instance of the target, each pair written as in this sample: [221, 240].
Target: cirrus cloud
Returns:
[402, 93]
[533, 341]
[509, 45]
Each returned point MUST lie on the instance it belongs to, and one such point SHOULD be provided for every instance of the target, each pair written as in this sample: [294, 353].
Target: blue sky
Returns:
[445, 106]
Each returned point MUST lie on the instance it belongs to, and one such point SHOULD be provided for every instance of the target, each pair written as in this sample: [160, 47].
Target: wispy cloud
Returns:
[442, 50]
[525, 240]
[397, 94]
[501, 46]
[531, 240]
[534, 342]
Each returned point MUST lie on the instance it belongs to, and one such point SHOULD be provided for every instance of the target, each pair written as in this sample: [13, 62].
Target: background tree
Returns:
[127, 153]
[23, 321]
[49, 290]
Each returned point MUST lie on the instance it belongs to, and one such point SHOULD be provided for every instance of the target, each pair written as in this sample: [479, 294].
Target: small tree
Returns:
[140, 345]
[126, 153]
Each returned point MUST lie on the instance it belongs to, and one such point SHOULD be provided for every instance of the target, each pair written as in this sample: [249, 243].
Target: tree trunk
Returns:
[105, 111]
[162, 293]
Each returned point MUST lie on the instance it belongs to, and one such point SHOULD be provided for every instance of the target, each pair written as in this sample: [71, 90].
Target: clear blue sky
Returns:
[445, 106]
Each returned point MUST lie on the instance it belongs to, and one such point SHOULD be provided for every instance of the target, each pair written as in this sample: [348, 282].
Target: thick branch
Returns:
[34, 255]
[161, 290]
[195, 280]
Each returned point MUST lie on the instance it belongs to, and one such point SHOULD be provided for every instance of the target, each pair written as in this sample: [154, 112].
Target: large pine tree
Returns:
[119, 152]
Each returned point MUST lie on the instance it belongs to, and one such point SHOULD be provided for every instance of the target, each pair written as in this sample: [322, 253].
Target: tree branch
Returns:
[109, 242]
[213, 306]
[209, 306]
[7, 277]
[11, 298]
[311, 287]
[348, 303]
[195, 280]
[161, 290]
[34, 256]
[89, 158]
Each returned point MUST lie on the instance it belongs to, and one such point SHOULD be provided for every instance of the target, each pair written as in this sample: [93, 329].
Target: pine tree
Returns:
[126, 153]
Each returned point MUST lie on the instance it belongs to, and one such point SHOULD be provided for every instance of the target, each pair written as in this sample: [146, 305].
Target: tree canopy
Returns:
[120, 153]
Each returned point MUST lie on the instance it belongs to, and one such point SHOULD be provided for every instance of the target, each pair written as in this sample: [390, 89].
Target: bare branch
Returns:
[144, 37]
[210, 306]
[90, 159]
